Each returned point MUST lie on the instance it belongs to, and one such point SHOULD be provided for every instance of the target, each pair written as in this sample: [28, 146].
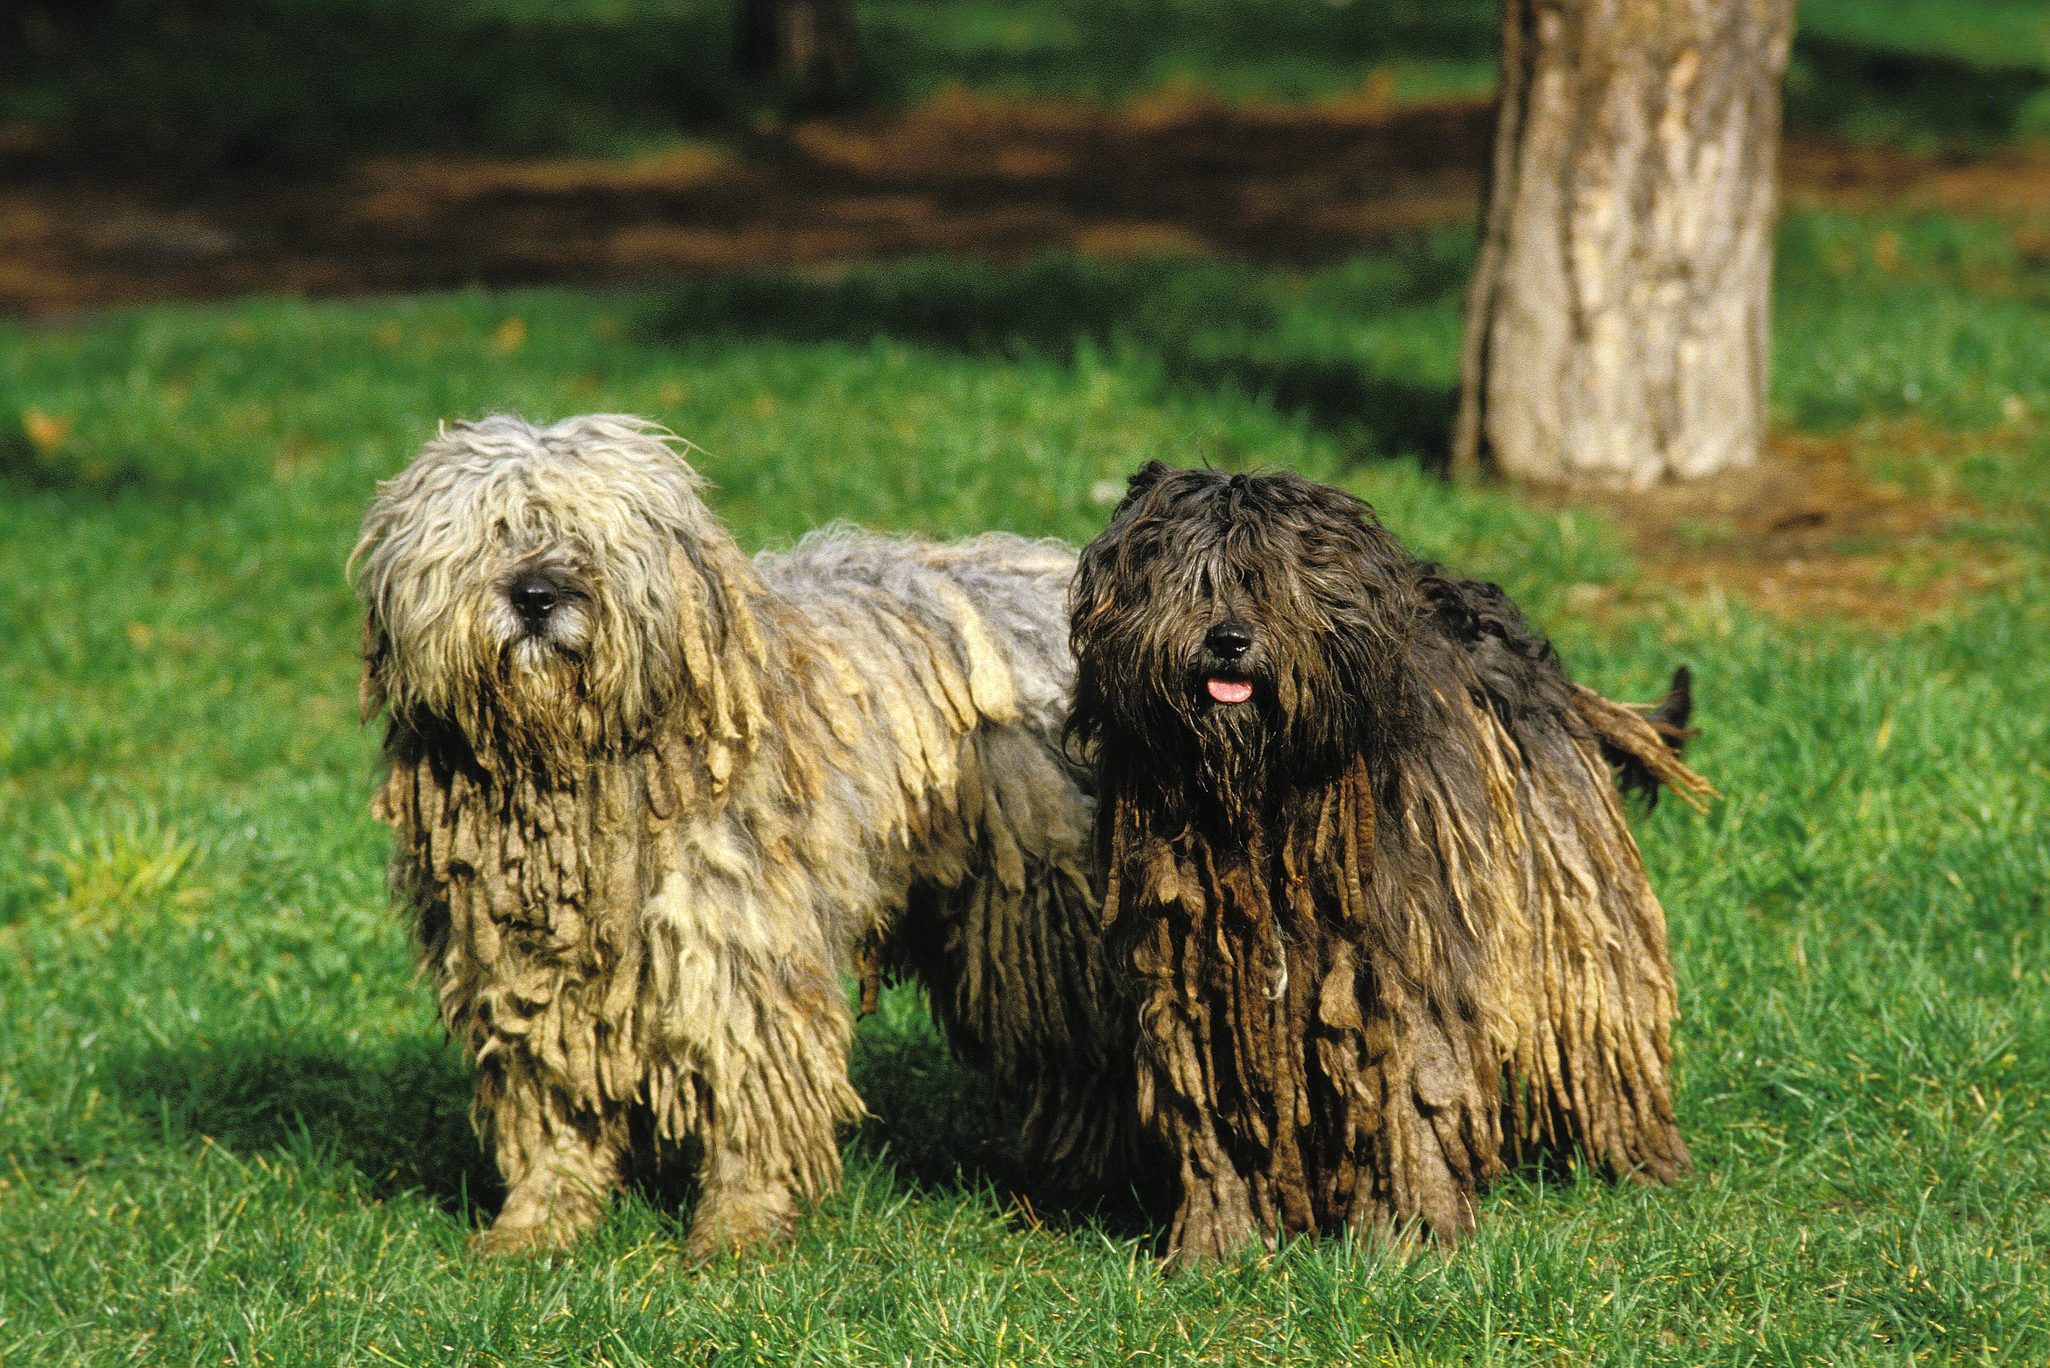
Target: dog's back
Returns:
[1524, 681]
[1001, 926]
[996, 602]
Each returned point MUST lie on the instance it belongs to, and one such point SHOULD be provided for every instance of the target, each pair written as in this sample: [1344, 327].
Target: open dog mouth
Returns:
[1227, 690]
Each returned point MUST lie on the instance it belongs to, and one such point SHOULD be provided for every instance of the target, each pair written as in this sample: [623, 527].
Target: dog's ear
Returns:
[1136, 485]
[1145, 477]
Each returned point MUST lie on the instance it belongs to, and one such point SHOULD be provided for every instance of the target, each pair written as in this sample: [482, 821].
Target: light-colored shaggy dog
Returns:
[655, 801]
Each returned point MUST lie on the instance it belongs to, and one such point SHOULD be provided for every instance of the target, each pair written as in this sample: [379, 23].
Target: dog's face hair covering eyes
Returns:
[1241, 623]
[486, 610]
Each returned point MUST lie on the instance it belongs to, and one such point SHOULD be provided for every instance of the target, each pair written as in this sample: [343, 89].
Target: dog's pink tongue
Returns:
[1229, 690]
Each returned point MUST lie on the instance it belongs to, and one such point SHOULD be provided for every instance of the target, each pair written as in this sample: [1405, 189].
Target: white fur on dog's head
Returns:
[598, 519]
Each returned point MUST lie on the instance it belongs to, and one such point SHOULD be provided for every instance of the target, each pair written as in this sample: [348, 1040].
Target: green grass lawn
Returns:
[230, 1130]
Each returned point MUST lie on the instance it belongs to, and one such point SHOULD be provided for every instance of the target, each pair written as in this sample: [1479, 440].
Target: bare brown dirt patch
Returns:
[960, 173]
[2013, 183]
[1867, 525]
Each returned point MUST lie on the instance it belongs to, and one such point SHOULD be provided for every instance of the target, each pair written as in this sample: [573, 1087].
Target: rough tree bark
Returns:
[807, 45]
[1617, 325]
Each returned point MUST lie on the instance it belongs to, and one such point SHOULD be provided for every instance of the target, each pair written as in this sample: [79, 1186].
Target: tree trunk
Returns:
[1617, 327]
[808, 46]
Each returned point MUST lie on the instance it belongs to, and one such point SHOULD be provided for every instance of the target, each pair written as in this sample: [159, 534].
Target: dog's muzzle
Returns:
[534, 596]
[1227, 644]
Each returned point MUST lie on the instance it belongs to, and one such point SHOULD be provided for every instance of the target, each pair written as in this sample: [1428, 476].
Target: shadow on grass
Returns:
[306, 82]
[300, 82]
[295, 82]
[936, 1125]
[1923, 100]
[399, 1118]
[1202, 326]
[75, 465]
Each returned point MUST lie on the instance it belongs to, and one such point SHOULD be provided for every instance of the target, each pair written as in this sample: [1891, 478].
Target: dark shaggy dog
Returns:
[1382, 921]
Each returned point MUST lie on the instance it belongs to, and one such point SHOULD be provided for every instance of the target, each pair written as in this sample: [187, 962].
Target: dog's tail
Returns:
[1642, 743]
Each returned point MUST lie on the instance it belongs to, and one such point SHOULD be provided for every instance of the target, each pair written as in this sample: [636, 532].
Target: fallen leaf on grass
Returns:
[45, 432]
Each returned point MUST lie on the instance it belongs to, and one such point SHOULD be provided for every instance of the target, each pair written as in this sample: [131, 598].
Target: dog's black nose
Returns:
[533, 598]
[1228, 640]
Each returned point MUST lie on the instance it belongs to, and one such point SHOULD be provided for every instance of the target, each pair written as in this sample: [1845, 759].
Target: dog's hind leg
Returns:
[739, 1206]
[560, 1167]
[1601, 1059]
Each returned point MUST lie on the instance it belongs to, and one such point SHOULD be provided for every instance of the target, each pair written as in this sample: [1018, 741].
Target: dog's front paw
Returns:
[548, 1210]
[737, 1223]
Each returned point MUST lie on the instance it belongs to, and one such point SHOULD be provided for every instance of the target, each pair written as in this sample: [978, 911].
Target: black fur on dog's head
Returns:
[1245, 631]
